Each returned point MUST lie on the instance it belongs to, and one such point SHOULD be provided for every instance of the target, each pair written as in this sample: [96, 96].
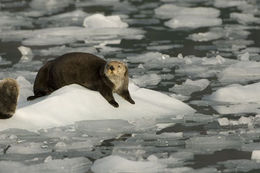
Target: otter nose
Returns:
[111, 68]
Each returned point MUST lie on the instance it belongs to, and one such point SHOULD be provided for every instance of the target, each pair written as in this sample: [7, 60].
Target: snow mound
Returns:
[101, 21]
[75, 103]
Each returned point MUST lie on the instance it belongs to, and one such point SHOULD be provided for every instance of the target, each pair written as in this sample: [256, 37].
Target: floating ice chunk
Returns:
[104, 128]
[245, 18]
[27, 148]
[240, 72]
[98, 3]
[73, 18]
[170, 11]
[190, 86]
[82, 106]
[209, 144]
[206, 36]
[237, 108]
[229, 3]
[153, 60]
[184, 17]
[118, 164]
[101, 21]
[244, 57]
[242, 121]
[194, 67]
[255, 155]
[147, 79]
[69, 34]
[237, 94]
[86, 145]
[192, 22]
[26, 54]
[67, 165]
[240, 165]
[49, 6]
[180, 97]
[223, 121]
[4, 62]
[10, 21]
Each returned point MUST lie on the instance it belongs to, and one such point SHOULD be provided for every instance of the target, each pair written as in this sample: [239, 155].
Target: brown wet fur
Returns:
[86, 70]
[9, 91]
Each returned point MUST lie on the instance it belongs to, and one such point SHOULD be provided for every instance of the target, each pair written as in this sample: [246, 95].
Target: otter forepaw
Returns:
[131, 101]
[114, 103]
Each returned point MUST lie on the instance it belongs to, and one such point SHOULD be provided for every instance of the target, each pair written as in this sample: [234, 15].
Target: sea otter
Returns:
[87, 70]
[9, 91]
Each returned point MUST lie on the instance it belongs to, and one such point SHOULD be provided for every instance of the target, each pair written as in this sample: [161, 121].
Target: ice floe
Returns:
[56, 112]
[101, 21]
[10, 21]
[241, 165]
[185, 17]
[71, 34]
[41, 8]
[119, 164]
[67, 165]
[240, 72]
[230, 3]
[237, 94]
[73, 18]
[190, 86]
[171, 10]
[191, 66]
[209, 144]
[235, 98]
[245, 18]
[148, 79]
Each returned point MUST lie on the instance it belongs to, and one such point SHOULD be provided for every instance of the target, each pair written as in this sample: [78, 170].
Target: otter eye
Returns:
[119, 66]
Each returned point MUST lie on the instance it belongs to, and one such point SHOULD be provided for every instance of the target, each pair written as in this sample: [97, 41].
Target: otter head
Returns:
[117, 73]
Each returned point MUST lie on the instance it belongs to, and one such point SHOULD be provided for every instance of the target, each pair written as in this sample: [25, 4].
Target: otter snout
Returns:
[111, 68]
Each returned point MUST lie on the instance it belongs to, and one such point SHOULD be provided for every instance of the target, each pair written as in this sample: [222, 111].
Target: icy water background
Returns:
[207, 57]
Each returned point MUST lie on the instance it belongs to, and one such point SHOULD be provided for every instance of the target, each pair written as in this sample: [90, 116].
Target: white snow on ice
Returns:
[75, 103]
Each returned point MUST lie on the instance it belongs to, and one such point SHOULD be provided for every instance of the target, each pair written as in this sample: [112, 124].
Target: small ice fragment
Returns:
[255, 155]
[101, 21]
[190, 86]
[26, 54]
[244, 57]
[147, 79]
[223, 121]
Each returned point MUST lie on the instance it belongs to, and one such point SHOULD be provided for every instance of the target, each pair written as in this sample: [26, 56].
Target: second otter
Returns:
[87, 70]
